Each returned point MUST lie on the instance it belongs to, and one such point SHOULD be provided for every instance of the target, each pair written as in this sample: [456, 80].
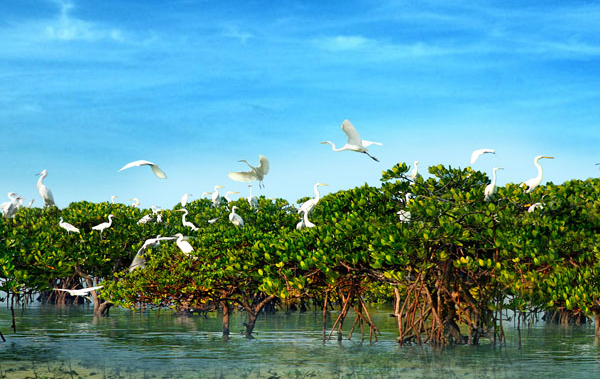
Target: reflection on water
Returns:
[69, 342]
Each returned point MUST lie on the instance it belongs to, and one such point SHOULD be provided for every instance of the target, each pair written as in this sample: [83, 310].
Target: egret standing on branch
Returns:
[415, 171]
[185, 222]
[44, 191]
[216, 198]
[155, 169]
[227, 195]
[354, 142]
[104, 225]
[479, 152]
[255, 173]
[308, 205]
[139, 261]
[184, 199]
[532, 183]
[252, 200]
[184, 246]
[235, 218]
[490, 189]
[68, 227]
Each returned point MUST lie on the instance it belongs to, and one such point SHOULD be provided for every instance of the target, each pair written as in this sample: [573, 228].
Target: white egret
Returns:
[68, 227]
[532, 183]
[216, 198]
[403, 214]
[184, 199]
[305, 222]
[139, 261]
[112, 199]
[227, 195]
[415, 171]
[479, 152]
[205, 193]
[308, 205]
[213, 220]
[534, 206]
[44, 191]
[30, 203]
[155, 169]
[79, 292]
[184, 221]
[9, 208]
[490, 189]
[145, 219]
[136, 202]
[353, 142]
[104, 225]
[255, 173]
[252, 200]
[184, 246]
[156, 211]
[235, 218]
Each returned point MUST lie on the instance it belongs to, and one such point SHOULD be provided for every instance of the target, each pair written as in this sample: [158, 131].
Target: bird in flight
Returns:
[255, 173]
[155, 169]
[79, 292]
[354, 142]
[479, 152]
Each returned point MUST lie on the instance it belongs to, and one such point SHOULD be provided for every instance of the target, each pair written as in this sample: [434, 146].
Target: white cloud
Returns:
[340, 43]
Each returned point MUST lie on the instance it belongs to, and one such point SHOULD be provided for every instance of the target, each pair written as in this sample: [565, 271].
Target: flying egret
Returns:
[255, 173]
[155, 169]
[139, 261]
[354, 142]
[415, 171]
[112, 199]
[68, 227]
[305, 222]
[532, 183]
[252, 200]
[184, 221]
[184, 199]
[136, 202]
[490, 189]
[227, 195]
[104, 225]
[216, 198]
[235, 218]
[44, 191]
[184, 246]
[479, 152]
[79, 292]
[308, 205]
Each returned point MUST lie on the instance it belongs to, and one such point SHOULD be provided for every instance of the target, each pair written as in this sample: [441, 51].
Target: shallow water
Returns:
[68, 342]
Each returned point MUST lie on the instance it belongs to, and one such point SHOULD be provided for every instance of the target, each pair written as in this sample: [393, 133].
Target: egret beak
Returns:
[548, 157]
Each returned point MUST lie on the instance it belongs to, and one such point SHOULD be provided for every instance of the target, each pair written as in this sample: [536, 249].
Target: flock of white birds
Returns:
[257, 173]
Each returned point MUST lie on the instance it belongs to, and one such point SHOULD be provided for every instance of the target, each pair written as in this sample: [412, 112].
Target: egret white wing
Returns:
[139, 163]
[158, 172]
[264, 165]
[368, 143]
[351, 133]
[243, 176]
[479, 152]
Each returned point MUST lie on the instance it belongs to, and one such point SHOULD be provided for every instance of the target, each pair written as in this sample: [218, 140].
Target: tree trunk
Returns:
[226, 313]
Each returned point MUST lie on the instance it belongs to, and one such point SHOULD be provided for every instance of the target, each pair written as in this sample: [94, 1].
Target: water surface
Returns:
[69, 342]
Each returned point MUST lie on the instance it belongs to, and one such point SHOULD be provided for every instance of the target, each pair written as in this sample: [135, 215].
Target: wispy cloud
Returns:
[341, 42]
[68, 28]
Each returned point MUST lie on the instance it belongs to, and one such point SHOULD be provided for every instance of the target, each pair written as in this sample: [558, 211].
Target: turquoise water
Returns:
[69, 342]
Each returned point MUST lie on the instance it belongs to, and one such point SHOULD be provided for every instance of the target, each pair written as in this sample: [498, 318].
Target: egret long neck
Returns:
[494, 178]
[540, 171]
[39, 182]
[317, 194]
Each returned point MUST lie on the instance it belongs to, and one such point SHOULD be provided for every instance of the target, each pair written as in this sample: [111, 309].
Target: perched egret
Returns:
[403, 214]
[9, 208]
[139, 261]
[308, 205]
[532, 183]
[255, 173]
[155, 169]
[490, 189]
[213, 220]
[252, 200]
[44, 191]
[68, 227]
[534, 206]
[156, 211]
[184, 199]
[30, 203]
[104, 225]
[136, 202]
[235, 218]
[145, 219]
[479, 152]
[184, 246]
[185, 222]
[354, 142]
[112, 199]
[227, 195]
[205, 194]
[79, 292]
[415, 171]
[216, 198]
[305, 222]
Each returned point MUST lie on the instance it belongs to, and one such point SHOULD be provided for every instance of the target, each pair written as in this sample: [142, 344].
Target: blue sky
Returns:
[194, 86]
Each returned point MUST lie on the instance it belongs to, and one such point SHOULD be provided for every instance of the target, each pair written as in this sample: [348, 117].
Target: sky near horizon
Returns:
[195, 86]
